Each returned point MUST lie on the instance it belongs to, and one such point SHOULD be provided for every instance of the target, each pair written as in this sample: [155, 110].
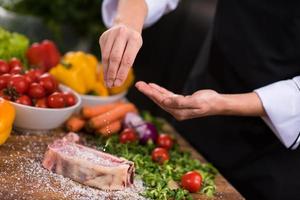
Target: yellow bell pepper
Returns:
[100, 89]
[128, 82]
[7, 116]
[77, 70]
[71, 78]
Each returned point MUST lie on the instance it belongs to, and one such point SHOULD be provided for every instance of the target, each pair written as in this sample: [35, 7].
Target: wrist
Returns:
[132, 14]
[247, 104]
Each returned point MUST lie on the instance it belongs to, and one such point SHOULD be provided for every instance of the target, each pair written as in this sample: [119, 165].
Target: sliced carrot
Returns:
[118, 113]
[92, 111]
[75, 123]
[110, 129]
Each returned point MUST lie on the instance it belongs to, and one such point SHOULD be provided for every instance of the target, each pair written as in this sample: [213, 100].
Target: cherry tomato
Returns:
[41, 103]
[4, 67]
[4, 80]
[160, 155]
[19, 83]
[191, 181]
[70, 98]
[16, 70]
[127, 135]
[28, 78]
[48, 82]
[34, 74]
[56, 100]
[38, 72]
[25, 100]
[36, 91]
[164, 141]
[15, 62]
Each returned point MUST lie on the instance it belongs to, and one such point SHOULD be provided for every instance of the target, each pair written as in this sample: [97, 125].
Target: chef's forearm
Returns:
[247, 104]
[131, 13]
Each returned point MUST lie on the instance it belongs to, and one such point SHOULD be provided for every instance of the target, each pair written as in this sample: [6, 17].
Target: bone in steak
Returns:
[88, 166]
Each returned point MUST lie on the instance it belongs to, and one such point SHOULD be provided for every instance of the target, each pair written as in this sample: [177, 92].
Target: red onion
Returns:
[147, 131]
[132, 120]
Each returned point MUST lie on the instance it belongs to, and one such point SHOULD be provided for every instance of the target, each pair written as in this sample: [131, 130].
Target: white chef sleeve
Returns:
[281, 101]
[156, 9]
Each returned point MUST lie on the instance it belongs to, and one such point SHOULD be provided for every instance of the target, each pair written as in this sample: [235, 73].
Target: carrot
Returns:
[75, 123]
[92, 111]
[118, 113]
[110, 129]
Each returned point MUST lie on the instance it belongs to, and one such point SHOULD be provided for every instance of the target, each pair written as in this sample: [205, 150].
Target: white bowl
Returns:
[43, 119]
[90, 100]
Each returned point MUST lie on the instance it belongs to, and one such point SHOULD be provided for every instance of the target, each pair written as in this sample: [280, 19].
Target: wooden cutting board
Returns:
[22, 177]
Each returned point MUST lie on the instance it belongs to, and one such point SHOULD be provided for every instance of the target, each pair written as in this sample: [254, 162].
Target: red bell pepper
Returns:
[44, 55]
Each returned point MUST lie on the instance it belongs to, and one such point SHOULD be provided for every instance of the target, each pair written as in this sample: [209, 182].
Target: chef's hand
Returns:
[121, 43]
[203, 102]
[119, 47]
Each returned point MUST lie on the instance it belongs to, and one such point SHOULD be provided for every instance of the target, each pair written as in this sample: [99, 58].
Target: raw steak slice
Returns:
[89, 166]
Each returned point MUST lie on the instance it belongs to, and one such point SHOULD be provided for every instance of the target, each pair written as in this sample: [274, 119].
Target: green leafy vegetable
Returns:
[83, 16]
[157, 177]
[12, 45]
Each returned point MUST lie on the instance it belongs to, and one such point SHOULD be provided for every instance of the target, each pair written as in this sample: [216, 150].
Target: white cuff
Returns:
[156, 9]
[281, 101]
[109, 10]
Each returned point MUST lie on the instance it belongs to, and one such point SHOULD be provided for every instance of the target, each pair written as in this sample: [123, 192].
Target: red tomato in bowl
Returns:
[56, 100]
[160, 155]
[191, 181]
[4, 67]
[127, 135]
[28, 78]
[16, 70]
[41, 103]
[70, 98]
[34, 74]
[164, 141]
[4, 78]
[15, 62]
[36, 91]
[48, 82]
[25, 100]
[19, 83]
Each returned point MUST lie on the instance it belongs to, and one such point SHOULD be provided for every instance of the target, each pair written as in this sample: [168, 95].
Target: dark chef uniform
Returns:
[253, 43]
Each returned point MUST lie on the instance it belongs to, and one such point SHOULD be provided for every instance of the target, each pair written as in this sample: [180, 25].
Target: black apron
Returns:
[253, 43]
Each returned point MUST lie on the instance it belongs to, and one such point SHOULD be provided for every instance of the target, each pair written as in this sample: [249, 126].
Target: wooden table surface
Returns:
[21, 155]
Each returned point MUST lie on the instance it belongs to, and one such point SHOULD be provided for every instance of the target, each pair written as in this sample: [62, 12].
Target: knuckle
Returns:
[111, 73]
[137, 39]
[122, 75]
[177, 102]
[115, 58]
[122, 30]
[127, 61]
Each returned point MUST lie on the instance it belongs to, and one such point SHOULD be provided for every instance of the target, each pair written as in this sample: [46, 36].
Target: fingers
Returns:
[153, 94]
[177, 105]
[106, 44]
[119, 47]
[115, 59]
[132, 48]
[161, 89]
